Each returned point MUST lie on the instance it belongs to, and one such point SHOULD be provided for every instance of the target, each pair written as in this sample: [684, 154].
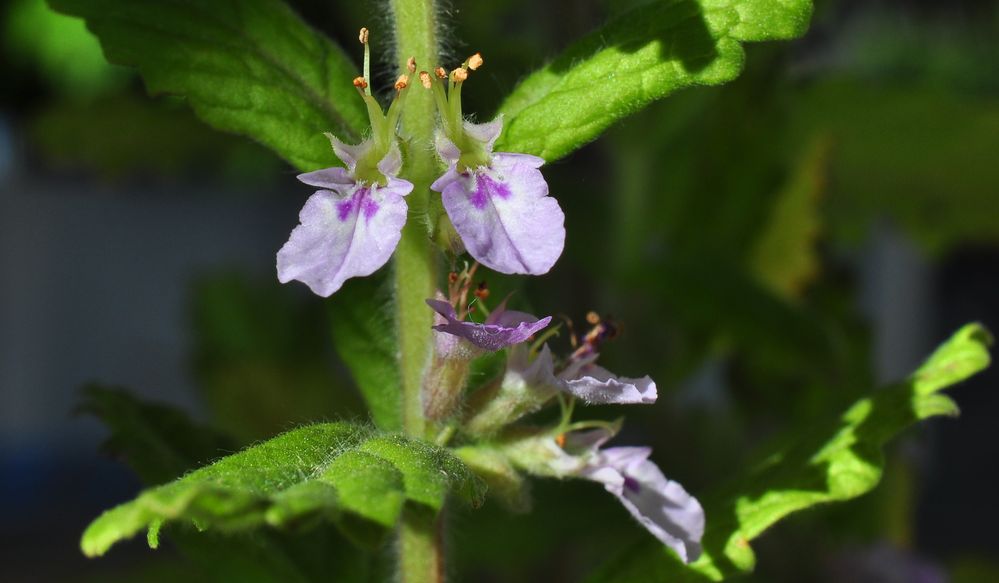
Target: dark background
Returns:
[137, 250]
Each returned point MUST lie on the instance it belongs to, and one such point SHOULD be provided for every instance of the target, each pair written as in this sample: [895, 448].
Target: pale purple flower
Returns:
[585, 380]
[598, 386]
[502, 327]
[350, 227]
[502, 210]
[661, 505]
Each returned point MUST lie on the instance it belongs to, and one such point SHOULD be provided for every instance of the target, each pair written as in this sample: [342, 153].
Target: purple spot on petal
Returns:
[369, 207]
[344, 208]
[359, 201]
[486, 188]
[632, 484]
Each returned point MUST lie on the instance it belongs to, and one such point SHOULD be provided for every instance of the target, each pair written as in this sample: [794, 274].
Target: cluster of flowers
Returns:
[497, 202]
[534, 378]
[498, 205]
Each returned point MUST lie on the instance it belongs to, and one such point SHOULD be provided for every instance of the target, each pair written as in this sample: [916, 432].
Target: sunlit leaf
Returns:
[641, 56]
[837, 461]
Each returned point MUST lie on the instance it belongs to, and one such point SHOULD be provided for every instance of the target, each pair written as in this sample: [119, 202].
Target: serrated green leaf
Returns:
[364, 337]
[251, 67]
[836, 462]
[330, 471]
[160, 443]
[641, 56]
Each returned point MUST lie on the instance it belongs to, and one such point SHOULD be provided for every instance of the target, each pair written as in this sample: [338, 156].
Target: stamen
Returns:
[363, 37]
[411, 64]
[560, 439]
[402, 82]
[425, 80]
[459, 75]
[602, 331]
[475, 61]
[452, 277]
[440, 72]
[482, 292]
[360, 83]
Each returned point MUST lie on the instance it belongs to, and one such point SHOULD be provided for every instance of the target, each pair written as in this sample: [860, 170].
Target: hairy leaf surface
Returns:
[329, 471]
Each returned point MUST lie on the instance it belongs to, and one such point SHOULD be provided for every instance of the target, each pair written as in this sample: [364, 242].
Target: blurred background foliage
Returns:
[724, 228]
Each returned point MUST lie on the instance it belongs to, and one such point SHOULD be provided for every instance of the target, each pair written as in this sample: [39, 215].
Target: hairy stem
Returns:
[421, 546]
[416, 258]
[421, 552]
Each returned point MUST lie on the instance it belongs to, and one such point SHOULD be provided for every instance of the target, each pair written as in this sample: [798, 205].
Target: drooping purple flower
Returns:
[501, 210]
[661, 505]
[350, 227]
[501, 329]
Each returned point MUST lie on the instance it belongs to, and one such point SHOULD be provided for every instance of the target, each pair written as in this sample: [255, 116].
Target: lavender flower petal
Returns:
[391, 164]
[485, 133]
[446, 149]
[504, 215]
[488, 336]
[349, 154]
[334, 178]
[598, 386]
[662, 506]
[344, 234]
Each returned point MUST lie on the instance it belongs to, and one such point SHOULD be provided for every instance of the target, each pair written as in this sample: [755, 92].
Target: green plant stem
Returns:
[421, 552]
[415, 258]
[421, 546]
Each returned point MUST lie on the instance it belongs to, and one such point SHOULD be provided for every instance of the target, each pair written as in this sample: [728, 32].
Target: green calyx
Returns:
[383, 125]
[473, 153]
[383, 136]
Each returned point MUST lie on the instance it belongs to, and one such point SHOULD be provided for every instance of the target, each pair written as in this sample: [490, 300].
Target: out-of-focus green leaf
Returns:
[918, 155]
[331, 471]
[157, 441]
[364, 336]
[263, 358]
[148, 138]
[838, 461]
[64, 51]
[641, 56]
[246, 66]
[716, 296]
[784, 258]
